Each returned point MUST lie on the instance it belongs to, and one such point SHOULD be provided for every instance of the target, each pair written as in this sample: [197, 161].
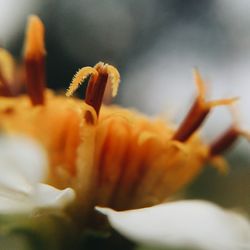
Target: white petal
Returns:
[13, 183]
[9, 205]
[183, 224]
[49, 197]
[23, 165]
[25, 155]
[42, 197]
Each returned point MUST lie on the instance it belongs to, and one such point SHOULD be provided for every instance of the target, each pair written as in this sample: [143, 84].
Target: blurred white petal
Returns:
[183, 224]
[50, 197]
[12, 182]
[10, 205]
[25, 155]
[23, 166]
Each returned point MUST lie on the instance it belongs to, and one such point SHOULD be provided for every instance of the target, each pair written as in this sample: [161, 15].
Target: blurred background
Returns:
[155, 45]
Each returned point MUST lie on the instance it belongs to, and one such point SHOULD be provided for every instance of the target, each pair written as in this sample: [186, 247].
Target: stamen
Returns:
[101, 75]
[6, 73]
[113, 76]
[34, 60]
[4, 86]
[224, 141]
[198, 112]
[96, 87]
[79, 78]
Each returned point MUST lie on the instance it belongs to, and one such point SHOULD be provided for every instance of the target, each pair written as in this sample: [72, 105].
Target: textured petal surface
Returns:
[188, 223]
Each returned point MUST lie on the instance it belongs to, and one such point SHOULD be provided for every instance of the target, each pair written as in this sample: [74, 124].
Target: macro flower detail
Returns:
[187, 224]
[110, 156]
[23, 169]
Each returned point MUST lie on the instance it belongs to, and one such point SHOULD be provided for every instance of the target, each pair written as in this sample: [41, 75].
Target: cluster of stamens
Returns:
[98, 78]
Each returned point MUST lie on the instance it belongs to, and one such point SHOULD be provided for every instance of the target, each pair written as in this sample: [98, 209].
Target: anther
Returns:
[107, 74]
[198, 112]
[100, 75]
[225, 141]
[34, 60]
[229, 137]
[80, 77]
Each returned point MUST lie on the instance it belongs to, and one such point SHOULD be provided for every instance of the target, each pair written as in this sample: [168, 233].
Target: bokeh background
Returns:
[155, 45]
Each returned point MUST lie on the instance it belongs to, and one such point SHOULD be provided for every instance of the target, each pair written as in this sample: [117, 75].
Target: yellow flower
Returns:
[111, 156]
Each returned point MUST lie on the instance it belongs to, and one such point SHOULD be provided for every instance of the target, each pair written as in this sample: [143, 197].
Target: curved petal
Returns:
[49, 197]
[42, 197]
[183, 224]
[25, 156]
[22, 166]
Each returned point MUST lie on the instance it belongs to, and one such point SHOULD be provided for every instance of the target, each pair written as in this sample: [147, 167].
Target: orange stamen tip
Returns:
[7, 65]
[114, 79]
[34, 44]
[113, 76]
[79, 78]
[34, 60]
[199, 83]
[228, 101]
[202, 93]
